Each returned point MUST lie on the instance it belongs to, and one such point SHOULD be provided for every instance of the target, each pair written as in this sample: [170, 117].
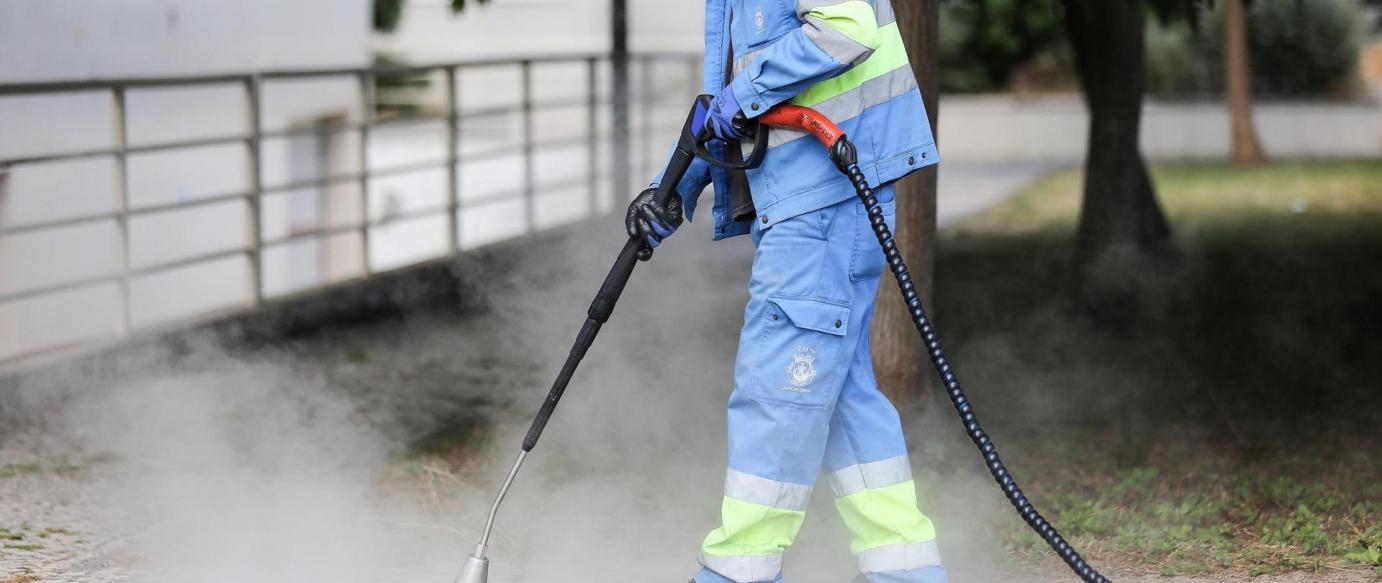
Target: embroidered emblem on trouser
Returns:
[802, 370]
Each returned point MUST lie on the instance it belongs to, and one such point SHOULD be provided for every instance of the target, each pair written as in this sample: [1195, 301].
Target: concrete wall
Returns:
[1055, 130]
[80, 39]
[429, 32]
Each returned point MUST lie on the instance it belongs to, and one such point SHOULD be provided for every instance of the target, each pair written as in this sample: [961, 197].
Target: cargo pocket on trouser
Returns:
[802, 354]
[866, 260]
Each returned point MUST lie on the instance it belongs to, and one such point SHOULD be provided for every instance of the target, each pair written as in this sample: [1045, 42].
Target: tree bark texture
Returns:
[1247, 148]
[900, 361]
[1122, 225]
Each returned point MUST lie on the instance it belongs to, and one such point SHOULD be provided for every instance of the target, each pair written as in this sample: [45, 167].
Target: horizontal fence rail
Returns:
[351, 197]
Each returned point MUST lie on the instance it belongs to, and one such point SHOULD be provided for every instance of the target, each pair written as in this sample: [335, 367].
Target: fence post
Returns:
[122, 202]
[646, 97]
[366, 79]
[453, 161]
[619, 94]
[529, 172]
[592, 131]
[255, 199]
[694, 64]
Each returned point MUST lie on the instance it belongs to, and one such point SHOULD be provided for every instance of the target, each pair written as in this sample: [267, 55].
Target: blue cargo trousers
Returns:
[805, 402]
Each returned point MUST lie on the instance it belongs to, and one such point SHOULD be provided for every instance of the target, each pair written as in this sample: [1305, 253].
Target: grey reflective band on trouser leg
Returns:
[880, 474]
[765, 492]
[893, 558]
[852, 103]
[747, 569]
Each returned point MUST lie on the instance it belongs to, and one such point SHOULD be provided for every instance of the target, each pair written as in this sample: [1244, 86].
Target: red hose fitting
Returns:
[806, 119]
[841, 150]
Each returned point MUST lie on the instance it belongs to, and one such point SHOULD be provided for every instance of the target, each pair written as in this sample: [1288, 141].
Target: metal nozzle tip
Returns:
[476, 570]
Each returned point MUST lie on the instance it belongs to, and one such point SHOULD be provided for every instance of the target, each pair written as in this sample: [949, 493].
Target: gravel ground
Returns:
[290, 462]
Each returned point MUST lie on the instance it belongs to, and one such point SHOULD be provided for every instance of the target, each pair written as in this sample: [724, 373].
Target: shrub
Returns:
[1298, 47]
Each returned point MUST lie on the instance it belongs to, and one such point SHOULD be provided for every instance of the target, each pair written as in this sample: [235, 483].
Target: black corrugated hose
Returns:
[846, 159]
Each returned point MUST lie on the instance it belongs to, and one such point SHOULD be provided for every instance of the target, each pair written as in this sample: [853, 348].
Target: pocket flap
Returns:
[815, 315]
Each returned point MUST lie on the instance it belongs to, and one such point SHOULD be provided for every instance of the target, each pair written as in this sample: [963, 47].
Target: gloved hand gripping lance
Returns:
[842, 152]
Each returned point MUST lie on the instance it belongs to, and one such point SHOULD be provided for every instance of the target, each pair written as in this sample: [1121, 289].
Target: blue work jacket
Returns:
[844, 58]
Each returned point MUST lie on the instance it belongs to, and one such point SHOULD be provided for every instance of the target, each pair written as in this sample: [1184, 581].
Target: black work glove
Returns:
[652, 223]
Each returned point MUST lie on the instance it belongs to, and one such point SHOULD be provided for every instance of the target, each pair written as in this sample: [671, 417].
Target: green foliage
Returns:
[984, 41]
[388, 13]
[1298, 48]
[1303, 48]
[1376, 7]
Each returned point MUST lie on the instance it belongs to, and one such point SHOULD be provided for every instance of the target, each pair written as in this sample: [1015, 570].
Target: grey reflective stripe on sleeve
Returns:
[884, 10]
[835, 43]
[852, 103]
[893, 558]
[879, 474]
[746, 59]
[747, 569]
[765, 492]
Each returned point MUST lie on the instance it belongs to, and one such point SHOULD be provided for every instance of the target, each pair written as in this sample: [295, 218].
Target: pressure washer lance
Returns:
[692, 144]
[476, 568]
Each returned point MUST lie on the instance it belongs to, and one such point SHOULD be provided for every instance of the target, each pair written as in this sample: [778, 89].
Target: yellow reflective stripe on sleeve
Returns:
[752, 529]
[890, 55]
[854, 18]
[885, 516]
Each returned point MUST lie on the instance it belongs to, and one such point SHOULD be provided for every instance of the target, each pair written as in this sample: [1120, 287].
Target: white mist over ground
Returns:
[291, 463]
[298, 461]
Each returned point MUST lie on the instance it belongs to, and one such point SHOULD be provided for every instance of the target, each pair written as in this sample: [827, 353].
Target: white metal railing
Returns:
[654, 101]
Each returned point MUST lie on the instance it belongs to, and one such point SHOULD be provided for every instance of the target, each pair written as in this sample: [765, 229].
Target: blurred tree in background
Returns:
[1299, 47]
[1123, 233]
[387, 13]
[1247, 147]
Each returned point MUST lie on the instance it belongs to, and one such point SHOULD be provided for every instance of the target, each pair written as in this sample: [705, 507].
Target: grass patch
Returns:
[15, 470]
[54, 530]
[23, 547]
[1232, 428]
[64, 468]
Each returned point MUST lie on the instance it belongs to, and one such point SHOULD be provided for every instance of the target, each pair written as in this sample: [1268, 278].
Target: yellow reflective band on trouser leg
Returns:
[890, 55]
[883, 517]
[748, 545]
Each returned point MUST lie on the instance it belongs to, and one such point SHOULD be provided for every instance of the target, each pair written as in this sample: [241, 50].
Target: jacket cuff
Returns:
[750, 100]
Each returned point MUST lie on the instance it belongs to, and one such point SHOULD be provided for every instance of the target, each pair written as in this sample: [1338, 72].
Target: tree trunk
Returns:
[899, 361]
[1122, 228]
[1247, 149]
